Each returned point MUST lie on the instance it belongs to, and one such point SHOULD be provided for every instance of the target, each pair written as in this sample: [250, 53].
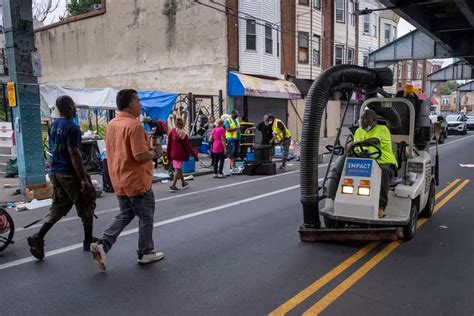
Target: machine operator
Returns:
[370, 133]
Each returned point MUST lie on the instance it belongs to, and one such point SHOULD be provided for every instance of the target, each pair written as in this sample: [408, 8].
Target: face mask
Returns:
[368, 128]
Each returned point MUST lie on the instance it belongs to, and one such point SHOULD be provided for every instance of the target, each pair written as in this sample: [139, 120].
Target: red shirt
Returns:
[179, 148]
[125, 140]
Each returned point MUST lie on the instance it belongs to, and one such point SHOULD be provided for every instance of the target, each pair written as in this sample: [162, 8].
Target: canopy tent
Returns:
[155, 104]
[96, 98]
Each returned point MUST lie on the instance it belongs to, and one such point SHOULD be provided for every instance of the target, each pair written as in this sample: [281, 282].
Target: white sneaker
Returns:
[151, 257]
[98, 255]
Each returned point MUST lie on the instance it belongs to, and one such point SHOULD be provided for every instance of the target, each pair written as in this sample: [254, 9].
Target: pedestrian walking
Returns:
[130, 159]
[179, 150]
[218, 148]
[71, 184]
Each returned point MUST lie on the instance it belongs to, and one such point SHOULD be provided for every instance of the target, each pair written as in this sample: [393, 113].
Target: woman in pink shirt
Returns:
[218, 147]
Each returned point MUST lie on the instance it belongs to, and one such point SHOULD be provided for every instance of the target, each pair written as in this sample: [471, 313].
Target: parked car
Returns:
[470, 123]
[444, 126]
[457, 123]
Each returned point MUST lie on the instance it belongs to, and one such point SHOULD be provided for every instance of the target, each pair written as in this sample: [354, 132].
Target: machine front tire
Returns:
[430, 204]
[330, 223]
[410, 228]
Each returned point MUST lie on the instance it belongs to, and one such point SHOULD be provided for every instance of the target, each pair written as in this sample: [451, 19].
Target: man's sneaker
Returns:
[36, 246]
[98, 255]
[173, 189]
[185, 185]
[151, 257]
[282, 168]
[220, 176]
[216, 176]
[86, 245]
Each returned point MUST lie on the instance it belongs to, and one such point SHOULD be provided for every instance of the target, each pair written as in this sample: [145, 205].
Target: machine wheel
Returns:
[410, 228]
[330, 223]
[430, 204]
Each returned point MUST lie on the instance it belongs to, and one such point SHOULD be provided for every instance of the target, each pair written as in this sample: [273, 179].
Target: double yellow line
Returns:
[333, 295]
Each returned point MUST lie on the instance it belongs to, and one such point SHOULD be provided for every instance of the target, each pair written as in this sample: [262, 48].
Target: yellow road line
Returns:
[369, 265]
[347, 283]
[315, 286]
[447, 188]
[450, 196]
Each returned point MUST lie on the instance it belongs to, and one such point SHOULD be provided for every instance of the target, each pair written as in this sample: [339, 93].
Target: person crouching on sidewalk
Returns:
[179, 150]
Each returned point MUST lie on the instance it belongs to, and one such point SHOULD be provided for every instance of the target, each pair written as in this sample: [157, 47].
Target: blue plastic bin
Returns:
[204, 148]
[250, 157]
[189, 165]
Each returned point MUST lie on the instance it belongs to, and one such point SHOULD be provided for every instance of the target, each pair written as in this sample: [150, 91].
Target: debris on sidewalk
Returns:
[33, 205]
[470, 165]
[443, 226]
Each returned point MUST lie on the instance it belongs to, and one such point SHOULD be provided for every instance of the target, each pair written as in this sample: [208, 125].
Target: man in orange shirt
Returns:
[130, 165]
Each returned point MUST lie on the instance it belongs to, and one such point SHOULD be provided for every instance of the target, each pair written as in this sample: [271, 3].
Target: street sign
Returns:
[11, 94]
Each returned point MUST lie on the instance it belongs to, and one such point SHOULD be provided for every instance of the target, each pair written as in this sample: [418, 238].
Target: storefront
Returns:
[254, 97]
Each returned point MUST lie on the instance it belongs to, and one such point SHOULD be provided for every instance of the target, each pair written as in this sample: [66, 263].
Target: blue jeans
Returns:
[233, 148]
[142, 206]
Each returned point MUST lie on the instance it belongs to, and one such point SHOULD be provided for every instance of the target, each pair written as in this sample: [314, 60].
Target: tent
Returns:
[155, 104]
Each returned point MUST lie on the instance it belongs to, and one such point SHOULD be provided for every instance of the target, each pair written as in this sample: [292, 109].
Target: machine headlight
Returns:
[364, 191]
[348, 189]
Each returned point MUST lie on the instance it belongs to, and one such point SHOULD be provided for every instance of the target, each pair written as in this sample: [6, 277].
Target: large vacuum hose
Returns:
[316, 102]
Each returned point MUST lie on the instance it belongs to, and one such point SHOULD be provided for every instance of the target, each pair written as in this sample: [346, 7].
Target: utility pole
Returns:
[20, 44]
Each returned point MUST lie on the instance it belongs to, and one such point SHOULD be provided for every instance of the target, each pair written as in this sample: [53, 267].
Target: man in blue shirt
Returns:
[72, 185]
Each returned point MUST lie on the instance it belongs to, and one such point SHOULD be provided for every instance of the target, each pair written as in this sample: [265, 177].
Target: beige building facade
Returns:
[173, 46]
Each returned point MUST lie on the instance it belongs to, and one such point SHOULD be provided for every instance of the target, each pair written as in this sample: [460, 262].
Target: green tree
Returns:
[77, 7]
[448, 87]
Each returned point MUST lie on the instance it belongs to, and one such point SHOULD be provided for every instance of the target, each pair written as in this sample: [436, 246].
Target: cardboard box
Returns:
[39, 191]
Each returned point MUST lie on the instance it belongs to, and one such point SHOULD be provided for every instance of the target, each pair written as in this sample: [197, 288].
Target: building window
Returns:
[367, 24]
[316, 50]
[268, 38]
[387, 32]
[251, 35]
[303, 2]
[408, 72]
[317, 4]
[278, 43]
[303, 47]
[340, 11]
[394, 32]
[365, 60]
[350, 56]
[351, 13]
[339, 55]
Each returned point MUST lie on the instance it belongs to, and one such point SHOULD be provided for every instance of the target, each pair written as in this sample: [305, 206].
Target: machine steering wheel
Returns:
[365, 154]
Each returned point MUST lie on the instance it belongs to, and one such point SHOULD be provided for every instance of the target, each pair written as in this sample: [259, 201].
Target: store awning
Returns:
[245, 85]
[303, 85]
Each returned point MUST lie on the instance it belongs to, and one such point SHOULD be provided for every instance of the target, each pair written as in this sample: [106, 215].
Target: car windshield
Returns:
[451, 118]
[470, 118]
[434, 118]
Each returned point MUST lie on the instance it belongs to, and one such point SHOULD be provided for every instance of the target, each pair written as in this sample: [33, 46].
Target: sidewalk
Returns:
[9, 185]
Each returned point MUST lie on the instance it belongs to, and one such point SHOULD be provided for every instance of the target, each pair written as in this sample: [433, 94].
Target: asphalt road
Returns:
[232, 248]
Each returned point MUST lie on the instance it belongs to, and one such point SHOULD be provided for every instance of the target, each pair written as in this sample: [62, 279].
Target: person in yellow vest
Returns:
[282, 136]
[372, 134]
[232, 135]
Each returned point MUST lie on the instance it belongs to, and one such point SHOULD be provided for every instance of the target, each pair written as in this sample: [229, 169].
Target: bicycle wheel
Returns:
[7, 229]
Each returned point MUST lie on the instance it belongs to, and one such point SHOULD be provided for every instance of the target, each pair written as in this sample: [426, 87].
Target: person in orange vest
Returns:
[281, 135]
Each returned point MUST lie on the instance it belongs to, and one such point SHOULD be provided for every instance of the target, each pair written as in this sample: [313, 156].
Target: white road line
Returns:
[453, 142]
[177, 196]
[157, 224]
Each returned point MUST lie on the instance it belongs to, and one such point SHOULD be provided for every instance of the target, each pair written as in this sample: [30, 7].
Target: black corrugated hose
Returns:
[316, 101]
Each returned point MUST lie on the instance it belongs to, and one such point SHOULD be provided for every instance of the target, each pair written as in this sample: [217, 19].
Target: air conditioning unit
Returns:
[96, 7]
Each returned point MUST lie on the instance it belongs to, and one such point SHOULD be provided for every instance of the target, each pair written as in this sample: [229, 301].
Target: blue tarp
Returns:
[156, 104]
